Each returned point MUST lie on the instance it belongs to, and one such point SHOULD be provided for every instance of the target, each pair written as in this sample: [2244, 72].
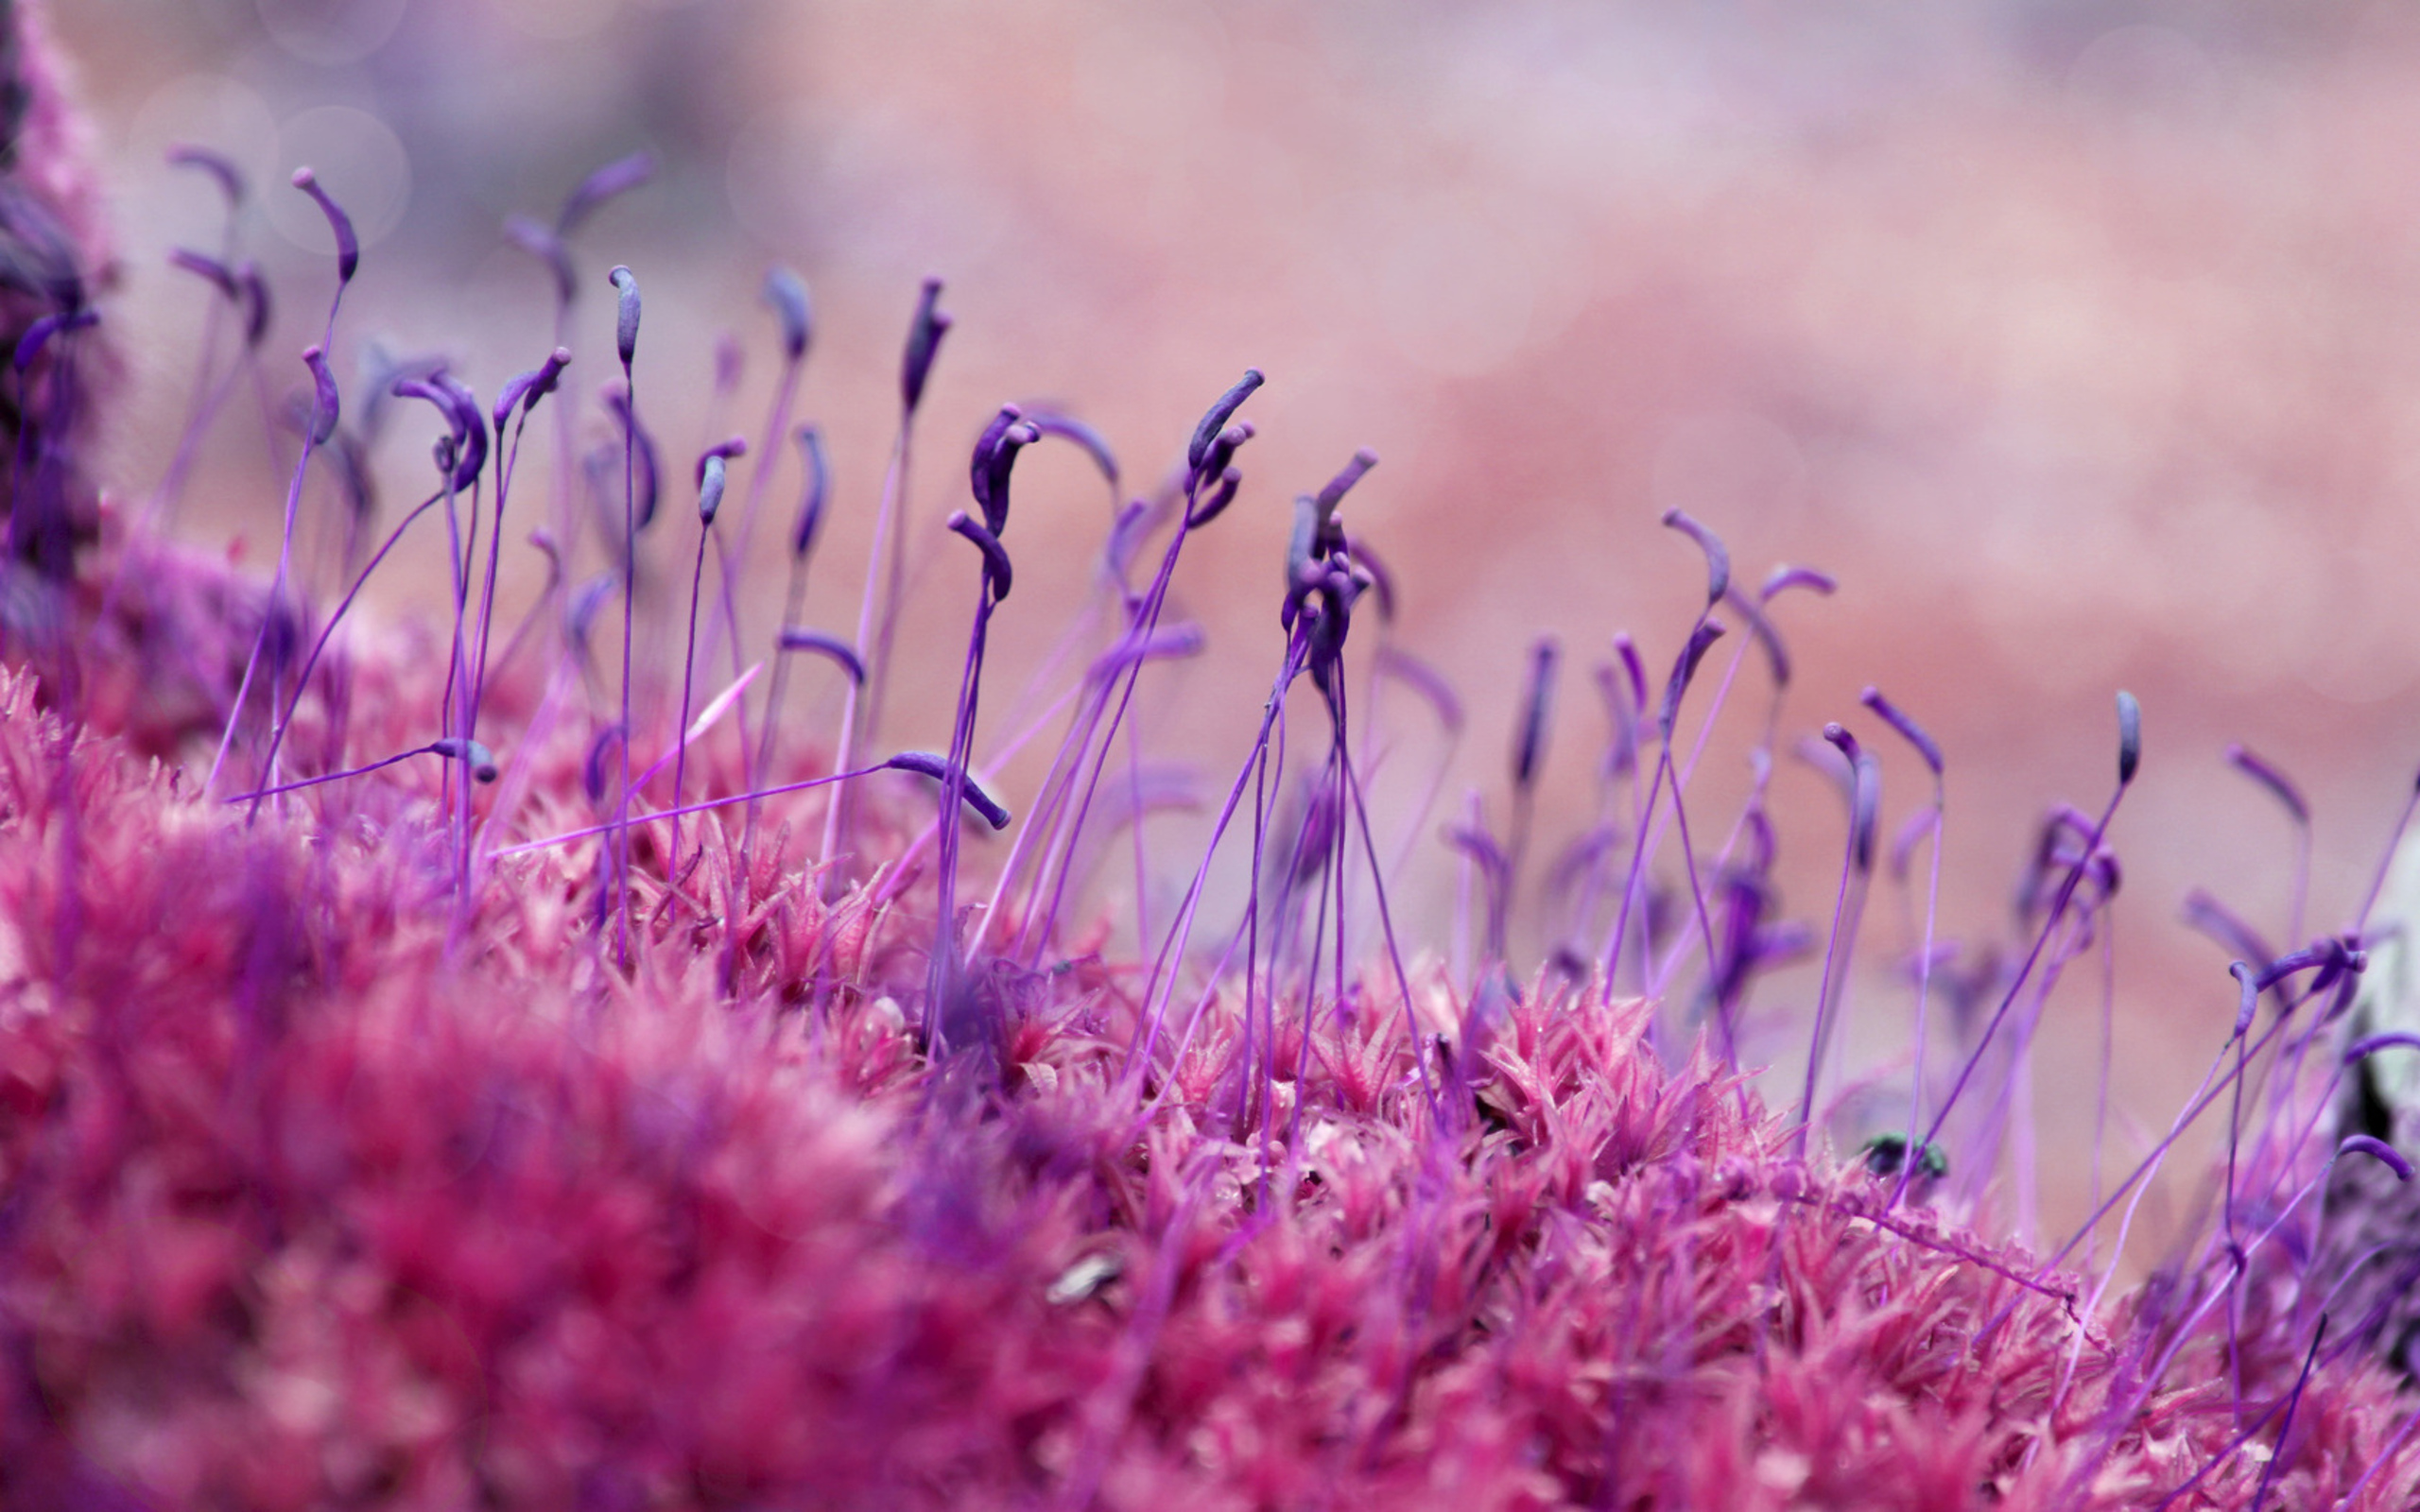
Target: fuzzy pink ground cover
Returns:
[305, 1207]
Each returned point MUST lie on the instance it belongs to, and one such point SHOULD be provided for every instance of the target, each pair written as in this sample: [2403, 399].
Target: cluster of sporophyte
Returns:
[446, 1065]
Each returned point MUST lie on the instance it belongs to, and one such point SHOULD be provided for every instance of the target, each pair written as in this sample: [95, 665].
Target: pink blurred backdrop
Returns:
[2077, 341]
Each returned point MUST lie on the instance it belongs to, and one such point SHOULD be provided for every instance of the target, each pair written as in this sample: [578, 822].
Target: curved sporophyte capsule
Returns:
[988, 471]
[324, 406]
[1718, 557]
[1914, 734]
[473, 753]
[925, 763]
[626, 316]
[925, 332]
[203, 265]
[1531, 749]
[840, 653]
[469, 421]
[710, 487]
[995, 557]
[527, 388]
[1214, 419]
[618, 177]
[787, 293]
[340, 224]
[2130, 737]
[1339, 486]
[257, 302]
[216, 164]
[817, 488]
[38, 335]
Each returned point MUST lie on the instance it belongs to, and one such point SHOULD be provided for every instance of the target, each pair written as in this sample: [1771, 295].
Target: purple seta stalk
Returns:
[518, 398]
[787, 293]
[995, 455]
[206, 398]
[1210, 485]
[1701, 635]
[922, 764]
[710, 482]
[1848, 907]
[2130, 757]
[2289, 797]
[324, 410]
[550, 245]
[817, 489]
[626, 342]
[477, 760]
[1929, 750]
[879, 612]
[1529, 754]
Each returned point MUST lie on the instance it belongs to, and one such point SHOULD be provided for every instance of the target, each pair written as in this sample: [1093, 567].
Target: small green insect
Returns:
[1886, 1153]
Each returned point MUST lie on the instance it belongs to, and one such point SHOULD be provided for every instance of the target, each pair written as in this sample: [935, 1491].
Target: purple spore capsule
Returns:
[787, 293]
[924, 335]
[257, 302]
[1223, 447]
[840, 653]
[2376, 1149]
[2130, 737]
[348, 245]
[1718, 557]
[1786, 578]
[710, 487]
[817, 488]
[1634, 670]
[2268, 774]
[1048, 420]
[618, 177]
[1214, 419]
[472, 753]
[593, 769]
[2392, 1040]
[729, 449]
[1909, 731]
[1683, 668]
[1761, 630]
[203, 265]
[1865, 792]
[987, 470]
[1339, 486]
[1537, 712]
[528, 388]
[995, 557]
[469, 422]
[925, 763]
[38, 335]
[2247, 983]
[324, 408]
[626, 320]
[216, 164]
[1215, 504]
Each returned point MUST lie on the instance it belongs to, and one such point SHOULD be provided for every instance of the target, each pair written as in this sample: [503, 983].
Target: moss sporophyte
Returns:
[666, 1095]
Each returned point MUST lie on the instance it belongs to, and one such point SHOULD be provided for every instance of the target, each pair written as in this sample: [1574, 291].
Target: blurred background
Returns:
[2077, 340]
